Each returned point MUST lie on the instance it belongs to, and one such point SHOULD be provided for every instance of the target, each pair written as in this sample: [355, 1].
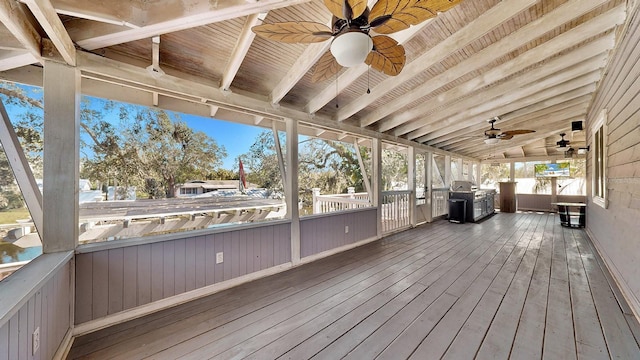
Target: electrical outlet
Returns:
[346, 229]
[36, 340]
[219, 258]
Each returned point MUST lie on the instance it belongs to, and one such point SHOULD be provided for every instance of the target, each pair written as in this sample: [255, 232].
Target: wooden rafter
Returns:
[46, 15]
[182, 16]
[14, 19]
[504, 46]
[240, 51]
[488, 21]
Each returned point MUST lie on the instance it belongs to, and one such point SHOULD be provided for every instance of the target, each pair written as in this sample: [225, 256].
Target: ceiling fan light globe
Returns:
[491, 140]
[351, 49]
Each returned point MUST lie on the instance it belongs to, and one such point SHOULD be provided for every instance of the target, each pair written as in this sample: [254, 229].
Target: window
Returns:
[599, 160]
[527, 182]
[576, 183]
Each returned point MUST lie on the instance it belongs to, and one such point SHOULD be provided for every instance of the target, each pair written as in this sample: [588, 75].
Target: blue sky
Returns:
[235, 138]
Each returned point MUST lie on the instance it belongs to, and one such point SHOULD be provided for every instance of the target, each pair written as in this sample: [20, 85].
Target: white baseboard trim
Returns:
[632, 300]
[124, 316]
[324, 254]
[65, 346]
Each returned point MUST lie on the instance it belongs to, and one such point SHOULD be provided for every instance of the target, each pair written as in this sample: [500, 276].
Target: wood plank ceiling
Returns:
[534, 64]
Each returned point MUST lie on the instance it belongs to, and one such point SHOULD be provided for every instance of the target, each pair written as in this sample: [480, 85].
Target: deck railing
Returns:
[337, 202]
[396, 212]
[439, 202]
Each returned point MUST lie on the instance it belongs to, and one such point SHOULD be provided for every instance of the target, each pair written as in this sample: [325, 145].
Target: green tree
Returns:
[261, 162]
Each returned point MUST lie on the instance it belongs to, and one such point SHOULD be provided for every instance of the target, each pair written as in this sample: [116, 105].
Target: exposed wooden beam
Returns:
[21, 169]
[537, 123]
[116, 12]
[115, 72]
[185, 15]
[487, 55]
[15, 20]
[525, 140]
[552, 73]
[16, 59]
[352, 74]
[46, 15]
[240, 51]
[488, 21]
[520, 116]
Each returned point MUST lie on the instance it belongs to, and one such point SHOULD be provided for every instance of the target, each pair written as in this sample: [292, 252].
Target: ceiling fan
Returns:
[351, 23]
[494, 135]
[563, 145]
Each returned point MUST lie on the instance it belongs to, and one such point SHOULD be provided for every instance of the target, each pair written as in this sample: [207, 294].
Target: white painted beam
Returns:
[61, 157]
[14, 19]
[185, 15]
[115, 12]
[291, 190]
[21, 169]
[488, 21]
[16, 59]
[554, 72]
[501, 48]
[46, 15]
[240, 51]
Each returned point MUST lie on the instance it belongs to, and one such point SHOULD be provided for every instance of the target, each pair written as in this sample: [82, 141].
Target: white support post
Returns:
[447, 171]
[428, 185]
[291, 191]
[411, 180]
[377, 184]
[276, 139]
[554, 187]
[61, 157]
[363, 171]
[479, 175]
[21, 169]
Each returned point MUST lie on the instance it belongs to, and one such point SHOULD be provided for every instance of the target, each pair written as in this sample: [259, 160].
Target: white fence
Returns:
[396, 212]
[439, 202]
[337, 202]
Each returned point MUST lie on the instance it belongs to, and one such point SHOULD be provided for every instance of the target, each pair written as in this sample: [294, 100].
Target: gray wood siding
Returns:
[542, 202]
[318, 234]
[110, 281]
[615, 229]
[48, 309]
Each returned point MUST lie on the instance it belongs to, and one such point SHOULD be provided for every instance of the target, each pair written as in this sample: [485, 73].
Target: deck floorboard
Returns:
[513, 286]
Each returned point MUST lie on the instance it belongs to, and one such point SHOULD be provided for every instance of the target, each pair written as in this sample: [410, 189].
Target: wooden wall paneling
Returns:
[210, 260]
[254, 235]
[116, 280]
[218, 248]
[49, 346]
[271, 248]
[4, 341]
[168, 268]
[130, 277]
[84, 286]
[144, 274]
[243, 249]
[157, 273]
[190, 264]
[23, 339]
[100, 287]
[235, 254]
[201, 261]
[14, 328]
[228, 255]
[37, 321]
[180, 267]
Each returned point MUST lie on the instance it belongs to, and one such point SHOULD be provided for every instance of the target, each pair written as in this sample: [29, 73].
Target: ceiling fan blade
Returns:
[326, 68]
[518, 132]
[387, 56]
[505, 137]
[294, 32]
[389, 16]
[346, 9]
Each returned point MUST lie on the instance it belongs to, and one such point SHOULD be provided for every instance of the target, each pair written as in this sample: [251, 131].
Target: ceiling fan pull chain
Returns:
[368, 71]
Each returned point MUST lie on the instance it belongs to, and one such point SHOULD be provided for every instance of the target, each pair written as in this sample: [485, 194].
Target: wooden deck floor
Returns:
[515, 286]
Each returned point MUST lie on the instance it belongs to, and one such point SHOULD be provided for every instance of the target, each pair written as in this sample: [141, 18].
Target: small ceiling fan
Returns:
[351, 23]
[494, 135]
[563, 145]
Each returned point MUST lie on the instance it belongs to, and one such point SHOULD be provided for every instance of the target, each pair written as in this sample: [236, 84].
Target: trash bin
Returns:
[457, 210]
